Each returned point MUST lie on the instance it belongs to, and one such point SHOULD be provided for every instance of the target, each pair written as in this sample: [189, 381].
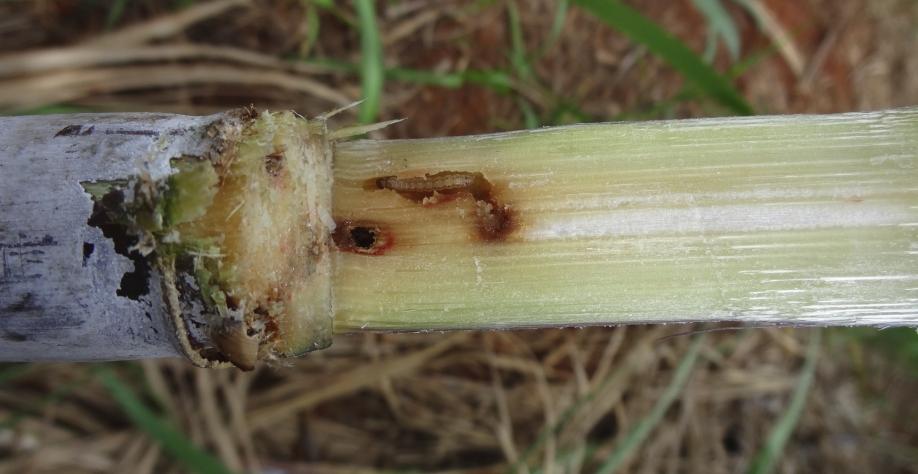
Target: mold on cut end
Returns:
[238, 236]
[494, 221]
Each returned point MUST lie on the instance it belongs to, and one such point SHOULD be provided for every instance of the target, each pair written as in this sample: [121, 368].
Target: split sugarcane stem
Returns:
[804, 220]
[252, 235]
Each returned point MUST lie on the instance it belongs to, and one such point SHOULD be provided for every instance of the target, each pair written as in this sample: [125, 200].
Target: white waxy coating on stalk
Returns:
[61, 301]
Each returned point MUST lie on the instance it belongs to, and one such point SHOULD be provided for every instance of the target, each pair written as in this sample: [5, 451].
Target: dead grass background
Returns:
[464, 402]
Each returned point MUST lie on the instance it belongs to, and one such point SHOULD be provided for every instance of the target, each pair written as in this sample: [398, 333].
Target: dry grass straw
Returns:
[543, 401]
[131, 60]
[556, 401]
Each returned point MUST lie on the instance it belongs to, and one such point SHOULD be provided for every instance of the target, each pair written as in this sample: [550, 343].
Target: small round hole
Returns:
[363, 237]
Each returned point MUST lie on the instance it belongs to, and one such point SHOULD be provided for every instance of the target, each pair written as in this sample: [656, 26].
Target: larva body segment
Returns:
[444, 182]
[493, 219]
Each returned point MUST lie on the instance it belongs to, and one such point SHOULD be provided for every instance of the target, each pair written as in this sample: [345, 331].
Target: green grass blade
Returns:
[899, 345]
[313, 26]
[12, 371]
[497, 80]
[770, 454]
[518, 55]
[371, 60]
[613, 377]
[639, 433]
[447, 80]
[642, 30]
[720, 25]
[689, 93]
[171, 440]
[35, 406]
[115, 13]
[530, 118]
[566, 113]
[557, 24]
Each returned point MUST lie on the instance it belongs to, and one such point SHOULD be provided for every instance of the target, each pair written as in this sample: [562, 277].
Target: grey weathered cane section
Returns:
[61, 294]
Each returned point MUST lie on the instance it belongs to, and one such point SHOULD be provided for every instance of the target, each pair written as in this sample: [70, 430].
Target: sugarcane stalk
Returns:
[230, 238]
[804, 220]
[149, 235]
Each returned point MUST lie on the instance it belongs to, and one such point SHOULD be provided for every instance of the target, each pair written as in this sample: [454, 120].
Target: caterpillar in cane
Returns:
[494, 220]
